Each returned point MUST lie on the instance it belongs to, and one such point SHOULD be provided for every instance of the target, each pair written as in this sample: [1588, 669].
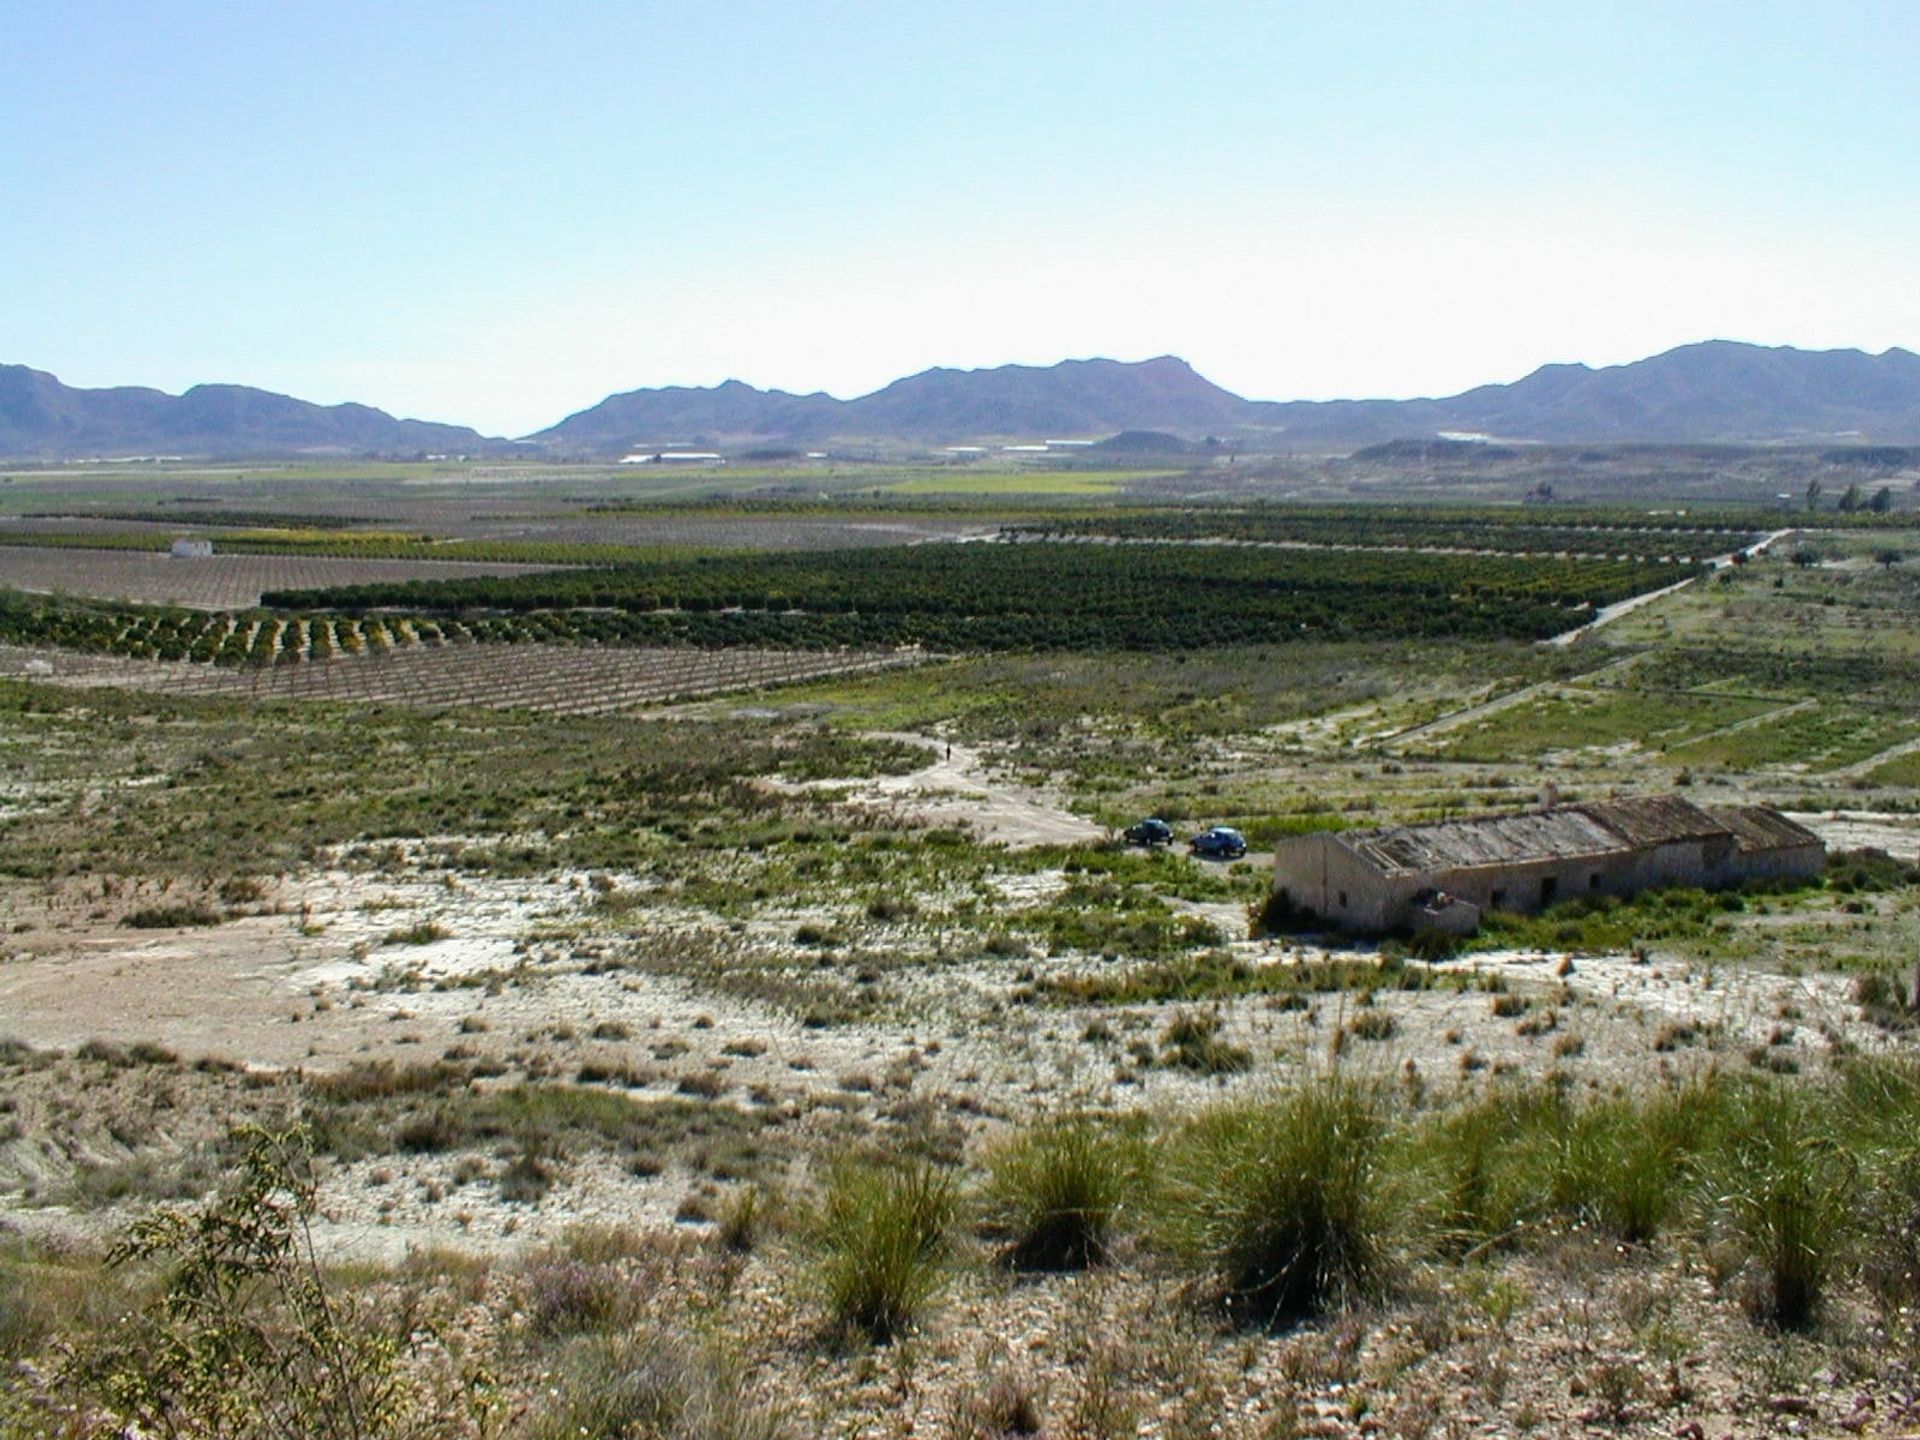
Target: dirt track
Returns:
[1610, 613]
[956, 788]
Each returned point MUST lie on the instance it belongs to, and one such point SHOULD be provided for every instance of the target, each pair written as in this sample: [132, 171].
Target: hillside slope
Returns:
[41, 417]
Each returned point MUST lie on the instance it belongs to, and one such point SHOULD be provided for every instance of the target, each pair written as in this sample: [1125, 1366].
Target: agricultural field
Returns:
[1570, 718]
[1020, 482]
[549, 679]
[1045, 595]
[217, 582]
[794, 1049]
[1596, 534]
[588, 536]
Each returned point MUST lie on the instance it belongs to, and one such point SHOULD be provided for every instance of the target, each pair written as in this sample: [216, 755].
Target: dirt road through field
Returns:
[1606, 615]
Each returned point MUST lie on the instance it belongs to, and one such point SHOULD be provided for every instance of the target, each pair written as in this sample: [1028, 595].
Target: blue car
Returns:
[1222, 842]
[1150, 832]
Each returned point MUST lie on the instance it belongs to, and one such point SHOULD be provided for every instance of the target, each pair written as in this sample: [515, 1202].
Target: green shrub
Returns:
[171, 917]
[882, 1232]
[242, 1335]
[1372, 1024]
[1882, 1120]
[1890, 1223]
[1853, 871]
[568, 1296]
[1882, 999]
[1433, 945]
[1283, 1203]
[1057, 1192]
[1192, 1041]
[742, 1221]
[424, 932]
[48, 1290]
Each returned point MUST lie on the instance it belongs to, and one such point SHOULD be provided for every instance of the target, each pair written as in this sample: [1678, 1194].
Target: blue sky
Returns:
[495, 214]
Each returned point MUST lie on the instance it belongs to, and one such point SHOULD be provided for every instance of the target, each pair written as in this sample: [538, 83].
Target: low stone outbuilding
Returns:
[1445, 874]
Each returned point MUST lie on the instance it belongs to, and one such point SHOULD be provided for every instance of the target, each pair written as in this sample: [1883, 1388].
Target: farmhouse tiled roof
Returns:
[1570, 832]
[1487, 840]
[1655, 819]
[1757, 828]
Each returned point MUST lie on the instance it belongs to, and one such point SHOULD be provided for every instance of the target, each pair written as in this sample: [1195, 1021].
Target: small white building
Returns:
[187, 548]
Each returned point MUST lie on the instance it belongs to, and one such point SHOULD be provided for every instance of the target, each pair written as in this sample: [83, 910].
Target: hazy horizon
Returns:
[495, 219]
[1074, 359]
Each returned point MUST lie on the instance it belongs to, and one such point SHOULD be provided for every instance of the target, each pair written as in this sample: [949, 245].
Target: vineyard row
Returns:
[553, 679]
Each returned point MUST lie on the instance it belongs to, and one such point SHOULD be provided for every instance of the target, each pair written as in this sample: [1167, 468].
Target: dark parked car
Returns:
[1150, 832]
[1222, 842]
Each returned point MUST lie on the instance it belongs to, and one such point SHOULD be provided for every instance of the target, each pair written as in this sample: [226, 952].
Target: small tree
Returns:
[1850, 501]
[1887, 559]
[1882, 500]
[1814, 491]
[243, 1340]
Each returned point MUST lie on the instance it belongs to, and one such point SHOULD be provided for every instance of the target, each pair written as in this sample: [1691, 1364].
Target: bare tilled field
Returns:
[505, 524]
[736, 532]
[561, 679]
[218, 582]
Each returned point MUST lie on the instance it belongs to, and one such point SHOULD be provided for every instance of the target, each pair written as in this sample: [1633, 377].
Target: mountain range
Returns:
[1715, 392]
[43, 418]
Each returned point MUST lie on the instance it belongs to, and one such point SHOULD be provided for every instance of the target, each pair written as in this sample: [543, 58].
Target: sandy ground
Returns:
[1898, 835]
[956, 788]
[317, 984]
[357, 961]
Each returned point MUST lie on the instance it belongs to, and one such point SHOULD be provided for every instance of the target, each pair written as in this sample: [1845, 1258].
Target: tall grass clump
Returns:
[1782, 1190]
[883, 1236]
[1484, 1160]
[650, 1386]
[43, 1290]
[1058, 1190]
[1882, 1099]
[1192, 1041]
[565, 1296]
[1625, 1163]
[1283, 1203]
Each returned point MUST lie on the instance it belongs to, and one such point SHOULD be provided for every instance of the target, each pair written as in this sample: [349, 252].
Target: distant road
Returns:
[1609, 613]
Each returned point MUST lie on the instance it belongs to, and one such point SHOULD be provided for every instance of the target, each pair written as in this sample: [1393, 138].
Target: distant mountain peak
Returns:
[1711, 390]
[1705, 392]
[1091, 397]
[39, 416]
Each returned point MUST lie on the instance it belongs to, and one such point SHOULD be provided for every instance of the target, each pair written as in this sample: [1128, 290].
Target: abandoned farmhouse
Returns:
[1445, 874]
